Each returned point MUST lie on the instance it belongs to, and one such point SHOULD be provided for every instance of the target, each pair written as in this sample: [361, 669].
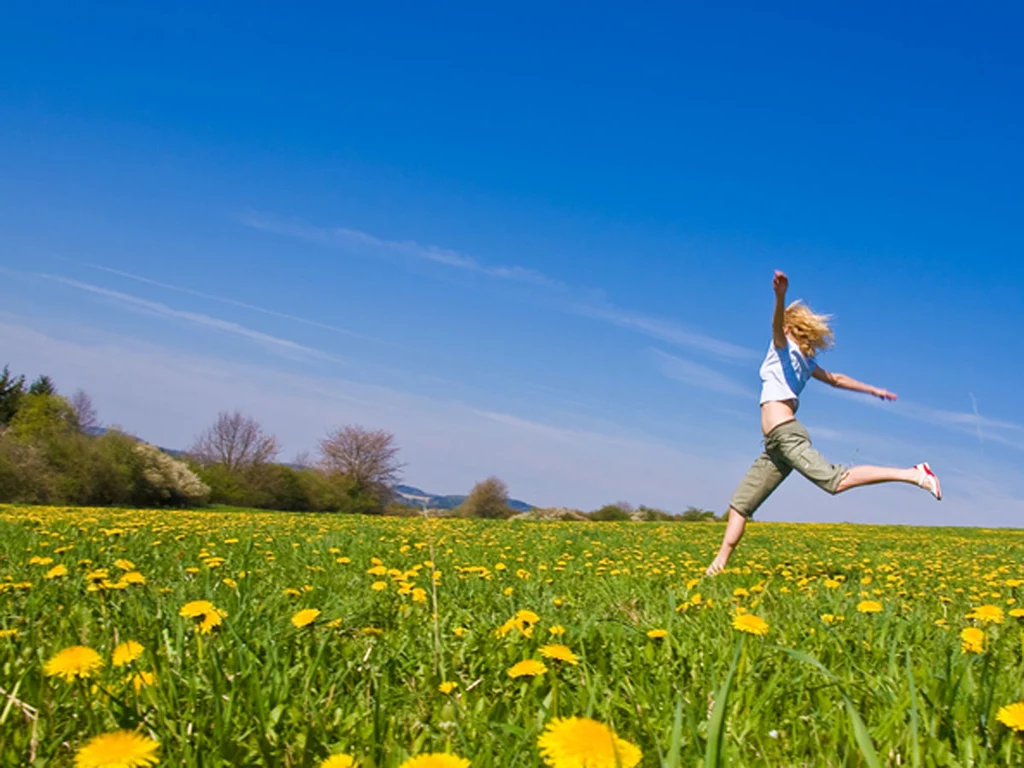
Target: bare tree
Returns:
[488, 499]
[84, 410]
[369, 458]
[236, 441]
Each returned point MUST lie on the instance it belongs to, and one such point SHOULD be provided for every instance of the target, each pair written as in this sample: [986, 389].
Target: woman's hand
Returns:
[780, 283]
[883, 394]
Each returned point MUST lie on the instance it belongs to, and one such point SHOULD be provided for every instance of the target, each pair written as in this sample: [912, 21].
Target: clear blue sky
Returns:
[534, 242]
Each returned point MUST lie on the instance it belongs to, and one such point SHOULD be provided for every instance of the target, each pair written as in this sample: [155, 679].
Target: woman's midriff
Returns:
[777, 412]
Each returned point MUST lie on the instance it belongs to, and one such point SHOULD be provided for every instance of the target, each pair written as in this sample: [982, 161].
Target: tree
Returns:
[236, 441]
[488, 499]
[696, 515]
[43, 386]
[12, 389]
[84, 410]
[368, 459]
[612, 513]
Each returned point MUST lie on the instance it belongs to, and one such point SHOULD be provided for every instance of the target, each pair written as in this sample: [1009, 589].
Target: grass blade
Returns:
[713, 755]
[915, 739]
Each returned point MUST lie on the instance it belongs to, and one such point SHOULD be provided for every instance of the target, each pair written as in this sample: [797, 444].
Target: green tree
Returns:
[696, 515]
[610, 513]
[488, 499]
[43, 386]
[12, 390]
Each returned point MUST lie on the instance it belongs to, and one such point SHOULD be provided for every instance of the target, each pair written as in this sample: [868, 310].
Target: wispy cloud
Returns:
[196, 318]
[663, 330]
[341, 237]
[698, 375]
[579, 302]
[230, 302]
[968, 422]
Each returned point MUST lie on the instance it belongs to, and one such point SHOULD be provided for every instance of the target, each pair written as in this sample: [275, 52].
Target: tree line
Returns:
[53, 451]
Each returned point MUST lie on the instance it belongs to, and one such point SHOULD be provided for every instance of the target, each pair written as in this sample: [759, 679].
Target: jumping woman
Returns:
[798, 335]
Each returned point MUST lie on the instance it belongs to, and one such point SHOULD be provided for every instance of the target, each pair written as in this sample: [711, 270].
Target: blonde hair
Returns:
[811, 331]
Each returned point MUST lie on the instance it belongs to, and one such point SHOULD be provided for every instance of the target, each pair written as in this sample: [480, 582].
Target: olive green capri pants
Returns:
[787, 447]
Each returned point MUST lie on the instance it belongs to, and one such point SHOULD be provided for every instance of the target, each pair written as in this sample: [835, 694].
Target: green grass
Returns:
[880, 689]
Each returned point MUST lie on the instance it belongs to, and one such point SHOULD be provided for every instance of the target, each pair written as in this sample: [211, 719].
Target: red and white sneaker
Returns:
[929, 481]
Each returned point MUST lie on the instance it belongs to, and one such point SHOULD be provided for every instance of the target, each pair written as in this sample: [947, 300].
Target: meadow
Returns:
[252, 638]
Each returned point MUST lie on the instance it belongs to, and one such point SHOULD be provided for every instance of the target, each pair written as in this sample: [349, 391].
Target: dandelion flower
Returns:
[8, 633]
[379, 586]
[973, 640]
[579, 742]
[987, 614]
[338, 761]
[559, 653]
[76, 661]
[305, 618]
[142, 680]
[133, 577]
[657, 634]
[558, 630]
[1012, 716]
[436, 761]
[527, 668]
[126, 653]
[447, 687]
[751, 624]
[1017, 613]
[124, 565]
[120, 749]
[56, 572]
[869, 606]
[205, 612]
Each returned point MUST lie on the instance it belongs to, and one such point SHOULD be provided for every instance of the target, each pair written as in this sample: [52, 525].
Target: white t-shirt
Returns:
[784, 372]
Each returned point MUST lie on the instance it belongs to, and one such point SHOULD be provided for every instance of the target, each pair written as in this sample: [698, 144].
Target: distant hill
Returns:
[416, 497]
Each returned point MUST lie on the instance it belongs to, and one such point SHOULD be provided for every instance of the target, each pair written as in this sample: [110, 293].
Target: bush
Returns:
[167, 481]
[488, 499]
[610, 513]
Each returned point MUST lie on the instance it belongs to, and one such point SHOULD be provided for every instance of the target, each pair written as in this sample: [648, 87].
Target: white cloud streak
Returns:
[356, 240]
[206, 321]
[698, 375]
[230, 302]
[657, 328]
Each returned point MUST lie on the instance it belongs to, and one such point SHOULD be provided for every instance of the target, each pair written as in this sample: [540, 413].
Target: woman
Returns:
[798, 335]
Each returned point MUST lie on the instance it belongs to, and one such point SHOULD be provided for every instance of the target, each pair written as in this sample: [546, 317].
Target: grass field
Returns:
[864, 661]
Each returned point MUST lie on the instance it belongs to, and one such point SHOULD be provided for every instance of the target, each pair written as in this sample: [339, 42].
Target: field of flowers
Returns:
[134, 638]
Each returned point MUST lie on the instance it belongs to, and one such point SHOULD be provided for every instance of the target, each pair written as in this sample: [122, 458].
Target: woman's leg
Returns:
[869, 475]
[761, 479]
[733, 534]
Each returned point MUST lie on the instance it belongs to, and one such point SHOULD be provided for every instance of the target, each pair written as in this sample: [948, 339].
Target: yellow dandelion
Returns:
[447, 687]
[142, 680]
[559, 653]
[869, 606]
[558, 630]
[133, 577]
[291, 592]
[987, 614]
[579, 742]
[124, 565]
[77, 661]
[657, 634]
[333, 624]
[56, 572]
[1017, 613]
[305, 617]
[126, 653]
[338, 761]
[436, 761]
[1012, 716]
[419, 595]
[120, 749]
[527, 668]
[379, 586]
[751, 624]
[459, 631]
[4, 633]
[206, 614]
[229, 582]
[973, 640]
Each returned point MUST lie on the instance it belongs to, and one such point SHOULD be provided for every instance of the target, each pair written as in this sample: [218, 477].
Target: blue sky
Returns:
[534, 242]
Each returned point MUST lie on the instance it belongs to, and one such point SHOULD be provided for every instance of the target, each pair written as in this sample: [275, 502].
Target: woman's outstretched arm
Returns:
[780, 284]
[842, 381]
